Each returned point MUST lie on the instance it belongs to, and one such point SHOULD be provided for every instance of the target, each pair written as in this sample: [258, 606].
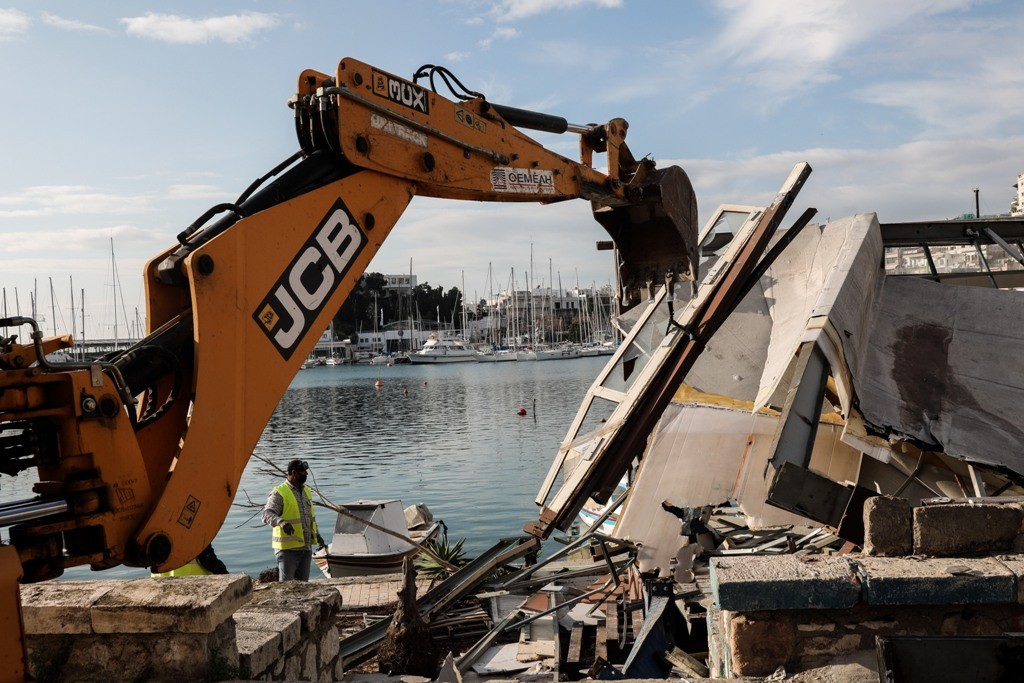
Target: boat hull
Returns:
[419, 359]
[369, 564]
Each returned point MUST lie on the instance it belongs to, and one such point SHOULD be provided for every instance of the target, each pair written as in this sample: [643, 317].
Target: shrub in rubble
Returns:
[450, 552]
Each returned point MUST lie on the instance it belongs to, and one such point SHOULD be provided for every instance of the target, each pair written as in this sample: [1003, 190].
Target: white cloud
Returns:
[456, 56]
[26, 244]
[499, 34]
[802, 42]
[973, 83]
[71, 24]
[512, 10]
[914, 181]
[51, 200]
[13, 23]
[195, 191]
[170, 28]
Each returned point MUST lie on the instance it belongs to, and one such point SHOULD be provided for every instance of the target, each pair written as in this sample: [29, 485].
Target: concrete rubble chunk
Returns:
[888, 526]
[953, 530]
[936, 581]
[754, 583]
[186, 604]
[61, 606]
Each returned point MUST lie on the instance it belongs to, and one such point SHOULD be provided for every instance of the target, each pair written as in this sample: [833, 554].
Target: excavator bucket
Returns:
[656, 235]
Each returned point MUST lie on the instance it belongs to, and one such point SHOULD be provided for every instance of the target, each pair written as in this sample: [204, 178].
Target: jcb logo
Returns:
[298, 296]
[401, 92]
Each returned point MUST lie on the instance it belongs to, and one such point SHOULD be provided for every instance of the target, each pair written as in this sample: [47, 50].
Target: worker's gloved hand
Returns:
[320, 541]
[287, 528]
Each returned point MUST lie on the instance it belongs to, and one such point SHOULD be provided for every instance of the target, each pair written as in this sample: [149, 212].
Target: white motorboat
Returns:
[440, 350]
[557, 352]
[357, 549]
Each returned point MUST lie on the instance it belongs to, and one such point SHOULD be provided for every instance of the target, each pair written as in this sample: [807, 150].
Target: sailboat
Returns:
[332, 359]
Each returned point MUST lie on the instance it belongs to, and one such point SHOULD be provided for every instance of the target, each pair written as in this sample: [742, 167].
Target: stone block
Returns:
[754, 583]
[936, 581]
[121, 657]
[293, 667]
[258, 651]
[329, 646]
[759, 646]
[307, 654]
[308, 600]
[186, 604]
[61, 606]
[828, 646]
[954, 530]
[288, 624]
[888, 526]
[1015, 564]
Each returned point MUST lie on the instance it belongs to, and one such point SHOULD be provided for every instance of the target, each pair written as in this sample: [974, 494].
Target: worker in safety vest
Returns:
[206, 563]
[289, 510]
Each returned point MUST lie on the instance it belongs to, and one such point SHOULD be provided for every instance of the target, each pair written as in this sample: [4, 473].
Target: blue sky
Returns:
[123, 121]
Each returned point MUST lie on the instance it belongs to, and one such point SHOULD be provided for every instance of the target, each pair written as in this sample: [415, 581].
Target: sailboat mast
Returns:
[74, 322]
[53, 308]
[113, 273]
[462, 295]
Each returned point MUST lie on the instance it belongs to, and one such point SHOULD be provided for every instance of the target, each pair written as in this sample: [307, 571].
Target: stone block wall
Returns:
[142, 629]
[288, 632]
[892, 527]
[940, 569]
[181, 628]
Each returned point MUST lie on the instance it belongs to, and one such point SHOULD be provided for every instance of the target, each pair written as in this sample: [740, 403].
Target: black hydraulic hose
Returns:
[267, 176]
[534, 120]
[207, 215]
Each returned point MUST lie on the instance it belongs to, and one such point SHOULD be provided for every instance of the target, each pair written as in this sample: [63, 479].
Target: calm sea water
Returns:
[455, 443]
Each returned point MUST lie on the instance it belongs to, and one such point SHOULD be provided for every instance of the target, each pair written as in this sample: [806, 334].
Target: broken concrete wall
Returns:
[945, 365]
[705, 455]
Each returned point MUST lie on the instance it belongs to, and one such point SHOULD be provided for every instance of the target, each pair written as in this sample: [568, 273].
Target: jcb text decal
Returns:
[296, 299]
[401, 92]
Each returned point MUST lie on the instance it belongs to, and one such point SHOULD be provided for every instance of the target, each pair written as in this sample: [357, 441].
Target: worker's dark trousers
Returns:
[293, 565]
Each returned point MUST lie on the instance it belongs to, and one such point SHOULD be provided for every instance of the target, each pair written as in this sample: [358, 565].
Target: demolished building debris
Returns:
[788, 432]
[821, 452]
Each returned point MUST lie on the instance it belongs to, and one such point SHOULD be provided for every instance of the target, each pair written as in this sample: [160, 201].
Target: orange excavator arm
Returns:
[139, 456]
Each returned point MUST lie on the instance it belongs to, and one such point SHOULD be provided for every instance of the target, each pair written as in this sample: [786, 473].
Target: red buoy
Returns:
[521, 411]
[378, 385]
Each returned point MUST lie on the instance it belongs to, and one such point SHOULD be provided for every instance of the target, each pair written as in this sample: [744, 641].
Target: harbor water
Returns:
[449, 436]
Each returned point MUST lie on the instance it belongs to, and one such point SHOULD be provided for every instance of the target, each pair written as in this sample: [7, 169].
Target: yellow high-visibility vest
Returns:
[290, 515]
[192, 568]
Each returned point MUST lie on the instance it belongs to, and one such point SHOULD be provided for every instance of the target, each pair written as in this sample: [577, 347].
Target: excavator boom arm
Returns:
[140, 455]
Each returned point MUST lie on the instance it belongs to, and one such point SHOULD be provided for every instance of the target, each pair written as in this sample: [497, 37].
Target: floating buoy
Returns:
[424, 382]
[603, 420]
[405, 392]
[378, 384]
[521, 411]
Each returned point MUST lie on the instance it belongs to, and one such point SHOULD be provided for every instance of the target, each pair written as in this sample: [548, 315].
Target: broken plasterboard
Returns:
[704, 455]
